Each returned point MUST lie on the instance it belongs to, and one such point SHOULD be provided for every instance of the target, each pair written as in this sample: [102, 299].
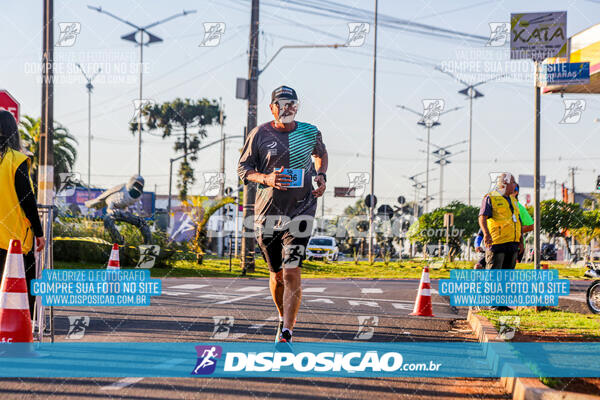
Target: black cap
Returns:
[283, 92]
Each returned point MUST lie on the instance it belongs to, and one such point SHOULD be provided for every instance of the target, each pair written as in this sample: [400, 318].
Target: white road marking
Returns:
[238, 298]
[269, 297]
[165, 292]
[402, 306]
[121, 383]
[215, 296]
[370, 290]
[313, 290]
[326, 301]
[434, 291]
[252, 289]
[188, 286]
[363, 303]
[387, 300]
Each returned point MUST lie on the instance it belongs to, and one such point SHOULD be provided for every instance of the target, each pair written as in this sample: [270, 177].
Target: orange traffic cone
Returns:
[15, 320]
[113, 261]
[423, 301]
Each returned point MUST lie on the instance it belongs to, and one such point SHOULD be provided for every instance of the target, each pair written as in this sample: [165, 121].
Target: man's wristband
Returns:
[323, 175]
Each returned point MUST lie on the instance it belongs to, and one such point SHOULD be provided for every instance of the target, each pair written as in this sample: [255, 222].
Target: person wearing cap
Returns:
[283, 157]
[526, 222]
[500, 222]
[19, 217]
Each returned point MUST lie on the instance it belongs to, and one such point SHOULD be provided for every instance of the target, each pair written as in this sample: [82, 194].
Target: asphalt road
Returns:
[229, 309]
[191, 309]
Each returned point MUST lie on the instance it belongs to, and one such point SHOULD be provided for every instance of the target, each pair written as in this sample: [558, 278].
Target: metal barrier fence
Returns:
[43, 317]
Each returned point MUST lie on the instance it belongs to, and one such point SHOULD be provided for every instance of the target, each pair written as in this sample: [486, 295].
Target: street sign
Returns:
[526, 181]
[537, 36]
[448, 219]
[368, 201]
[344, 191]
[565, 74]
[583, 46]
[385, 211]
[401, 200]
[8, 103]
[241, 89]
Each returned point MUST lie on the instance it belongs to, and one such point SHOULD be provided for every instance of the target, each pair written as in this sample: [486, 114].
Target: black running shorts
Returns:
[281, 248]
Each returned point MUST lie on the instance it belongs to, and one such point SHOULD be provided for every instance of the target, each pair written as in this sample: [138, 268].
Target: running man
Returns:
[277, 156]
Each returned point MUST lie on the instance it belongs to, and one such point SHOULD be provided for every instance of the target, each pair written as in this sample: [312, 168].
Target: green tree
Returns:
[589, 227]
[558, 217]
[187, 120]
[429, 229]
[65, 151]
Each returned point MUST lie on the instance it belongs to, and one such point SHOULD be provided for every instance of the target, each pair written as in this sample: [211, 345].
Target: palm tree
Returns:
[65, 152]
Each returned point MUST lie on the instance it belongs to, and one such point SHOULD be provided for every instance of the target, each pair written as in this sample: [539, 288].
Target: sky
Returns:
[335, 87]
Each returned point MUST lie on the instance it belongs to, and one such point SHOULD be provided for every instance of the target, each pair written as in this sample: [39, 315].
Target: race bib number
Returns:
[296, 175]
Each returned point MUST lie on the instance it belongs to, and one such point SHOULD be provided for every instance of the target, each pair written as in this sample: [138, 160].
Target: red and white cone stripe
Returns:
[113, 262]
[15, 320]
[423, 301]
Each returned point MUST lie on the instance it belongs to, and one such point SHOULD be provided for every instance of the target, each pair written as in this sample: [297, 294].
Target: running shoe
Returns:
[285, 337]
[279, 329]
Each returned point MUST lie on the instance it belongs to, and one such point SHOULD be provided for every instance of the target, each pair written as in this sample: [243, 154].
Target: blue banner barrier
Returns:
[96, 287]
[504, 287]
[338, 359]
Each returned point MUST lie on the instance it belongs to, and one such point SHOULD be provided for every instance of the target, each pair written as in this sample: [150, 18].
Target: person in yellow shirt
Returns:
[500, 222]
[19, 217]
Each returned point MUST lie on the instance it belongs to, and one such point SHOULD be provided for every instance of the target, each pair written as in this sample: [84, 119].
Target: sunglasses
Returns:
[283, 104]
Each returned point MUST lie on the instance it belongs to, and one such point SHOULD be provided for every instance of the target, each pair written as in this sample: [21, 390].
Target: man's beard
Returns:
[289, 118]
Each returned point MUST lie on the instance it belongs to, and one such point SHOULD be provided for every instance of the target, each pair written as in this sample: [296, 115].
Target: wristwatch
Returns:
[323, 175]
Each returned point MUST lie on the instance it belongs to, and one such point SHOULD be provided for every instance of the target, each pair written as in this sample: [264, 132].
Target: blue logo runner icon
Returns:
[207, 359]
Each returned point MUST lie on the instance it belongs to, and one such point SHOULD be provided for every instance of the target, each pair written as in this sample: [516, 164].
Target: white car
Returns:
[322, 247]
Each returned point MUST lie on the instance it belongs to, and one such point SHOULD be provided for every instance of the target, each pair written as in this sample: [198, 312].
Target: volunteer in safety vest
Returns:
[19, 217]
[500, 221]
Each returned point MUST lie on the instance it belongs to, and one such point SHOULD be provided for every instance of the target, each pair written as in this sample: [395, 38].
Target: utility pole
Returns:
[89, 88]
[554, 182]
[247, 261]
[536, 171]
[442, 153]
[222, 180]
[221, 238]
[46, 171]
[371, 207]
[428, 124]
[572, 171]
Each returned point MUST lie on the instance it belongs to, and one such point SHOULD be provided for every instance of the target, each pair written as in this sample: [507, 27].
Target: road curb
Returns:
[520, 388]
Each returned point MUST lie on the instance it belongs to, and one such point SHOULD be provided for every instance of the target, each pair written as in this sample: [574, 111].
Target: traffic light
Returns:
[598, 183]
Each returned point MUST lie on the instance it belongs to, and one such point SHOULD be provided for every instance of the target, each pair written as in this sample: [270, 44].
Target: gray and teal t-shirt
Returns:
[267, 149]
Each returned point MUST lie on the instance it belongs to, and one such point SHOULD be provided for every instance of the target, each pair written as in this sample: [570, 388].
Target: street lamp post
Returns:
[471, 93]
[428, 124]
[442, 155]
[89, 88]
[131, 37]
